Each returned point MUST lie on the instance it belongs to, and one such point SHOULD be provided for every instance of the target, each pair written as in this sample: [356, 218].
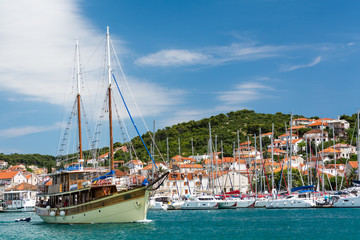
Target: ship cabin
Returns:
[71, 188]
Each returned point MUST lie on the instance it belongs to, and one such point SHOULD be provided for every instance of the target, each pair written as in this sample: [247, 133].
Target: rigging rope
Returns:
[132, 120]
[137, 107]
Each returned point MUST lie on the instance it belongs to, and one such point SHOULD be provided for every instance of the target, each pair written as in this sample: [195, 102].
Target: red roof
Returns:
[353, 164]
[23, 186]
[276, 150]
[266, 134]
[8, 175]
[301, 119]
[318, 124]
[191, 166]
[245, 143]
[285, 135]
[119, 173]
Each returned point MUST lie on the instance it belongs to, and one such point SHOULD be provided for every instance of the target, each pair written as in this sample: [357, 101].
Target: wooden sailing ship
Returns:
[90, 196]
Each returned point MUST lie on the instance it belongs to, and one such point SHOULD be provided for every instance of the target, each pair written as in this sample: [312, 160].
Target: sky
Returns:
[182, 60]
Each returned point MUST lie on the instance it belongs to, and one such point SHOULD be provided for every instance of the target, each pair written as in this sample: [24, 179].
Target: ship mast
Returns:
[111, 151]
[78, 98]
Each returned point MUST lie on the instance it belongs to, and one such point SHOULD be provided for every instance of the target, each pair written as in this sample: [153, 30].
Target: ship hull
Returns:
[348, 202]
[130, 206]
[290, 203]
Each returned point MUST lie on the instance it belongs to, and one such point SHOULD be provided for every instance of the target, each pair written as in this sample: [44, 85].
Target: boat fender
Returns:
[137, 204]
[106, 191]
[62, 213]
[48, 207]
[52, 214]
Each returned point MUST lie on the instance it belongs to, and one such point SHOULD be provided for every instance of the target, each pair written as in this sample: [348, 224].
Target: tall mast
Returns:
[249, 161]
[167, 149]
[78, 77]
[335, 158]
[111, 151]
[256, 172]
[192, 147]
[238, 145]
[322, 154]
[180, 167]
[272, 156]
[261, 163]
[153, 151]
[211, 160]
[358, 145]
[287, 155]
[291, 149]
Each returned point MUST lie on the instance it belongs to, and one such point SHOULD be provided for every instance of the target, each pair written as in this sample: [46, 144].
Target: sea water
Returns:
[212, 224]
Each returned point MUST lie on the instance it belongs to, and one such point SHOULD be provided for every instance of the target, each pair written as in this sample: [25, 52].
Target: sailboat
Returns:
[79, 195]
[350, 198]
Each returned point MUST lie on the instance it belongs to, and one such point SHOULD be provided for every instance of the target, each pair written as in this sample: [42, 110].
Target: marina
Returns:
[221, 224]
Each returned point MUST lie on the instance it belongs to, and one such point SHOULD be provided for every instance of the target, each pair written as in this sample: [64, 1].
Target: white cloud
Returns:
[22, 131]
[37, 45]
[316, 61]
[210, 55]
[244, 92]
[173, 57]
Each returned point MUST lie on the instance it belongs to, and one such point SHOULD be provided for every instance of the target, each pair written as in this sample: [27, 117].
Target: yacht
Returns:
[348, 198]
[301, 197]
[159, 203]
[201, 203]
[18, 201]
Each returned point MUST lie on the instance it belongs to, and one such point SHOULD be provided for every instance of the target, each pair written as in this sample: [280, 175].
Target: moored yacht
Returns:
[348, 198]
[206, 202]
[18, 201]
[159, 203]
[301, 197]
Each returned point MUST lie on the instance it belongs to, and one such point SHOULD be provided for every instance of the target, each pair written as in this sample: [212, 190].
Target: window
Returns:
[185, 183]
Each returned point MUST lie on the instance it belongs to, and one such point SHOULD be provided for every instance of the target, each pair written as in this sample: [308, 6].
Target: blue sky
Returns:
[184, 60]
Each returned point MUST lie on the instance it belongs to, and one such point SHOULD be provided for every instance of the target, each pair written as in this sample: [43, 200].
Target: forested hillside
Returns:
[223, 126]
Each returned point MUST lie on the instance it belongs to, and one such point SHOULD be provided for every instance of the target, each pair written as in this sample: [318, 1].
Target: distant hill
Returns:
[223, 126]
[28, 159]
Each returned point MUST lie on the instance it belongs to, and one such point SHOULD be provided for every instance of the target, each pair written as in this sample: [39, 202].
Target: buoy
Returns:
[62, 213]
[52, 214]
[48, 207]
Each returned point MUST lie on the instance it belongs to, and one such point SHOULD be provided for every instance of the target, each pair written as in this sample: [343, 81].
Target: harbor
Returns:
[221, 224]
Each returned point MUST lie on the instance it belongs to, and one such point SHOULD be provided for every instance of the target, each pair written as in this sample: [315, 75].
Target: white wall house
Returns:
[287, 136]
[315, 136]
[346, 150]
[294, 145]
[135, 166]
[3, 164]
[32, 179]
[301, 121]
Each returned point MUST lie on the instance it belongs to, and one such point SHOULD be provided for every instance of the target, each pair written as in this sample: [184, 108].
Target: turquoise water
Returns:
[216, 224]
